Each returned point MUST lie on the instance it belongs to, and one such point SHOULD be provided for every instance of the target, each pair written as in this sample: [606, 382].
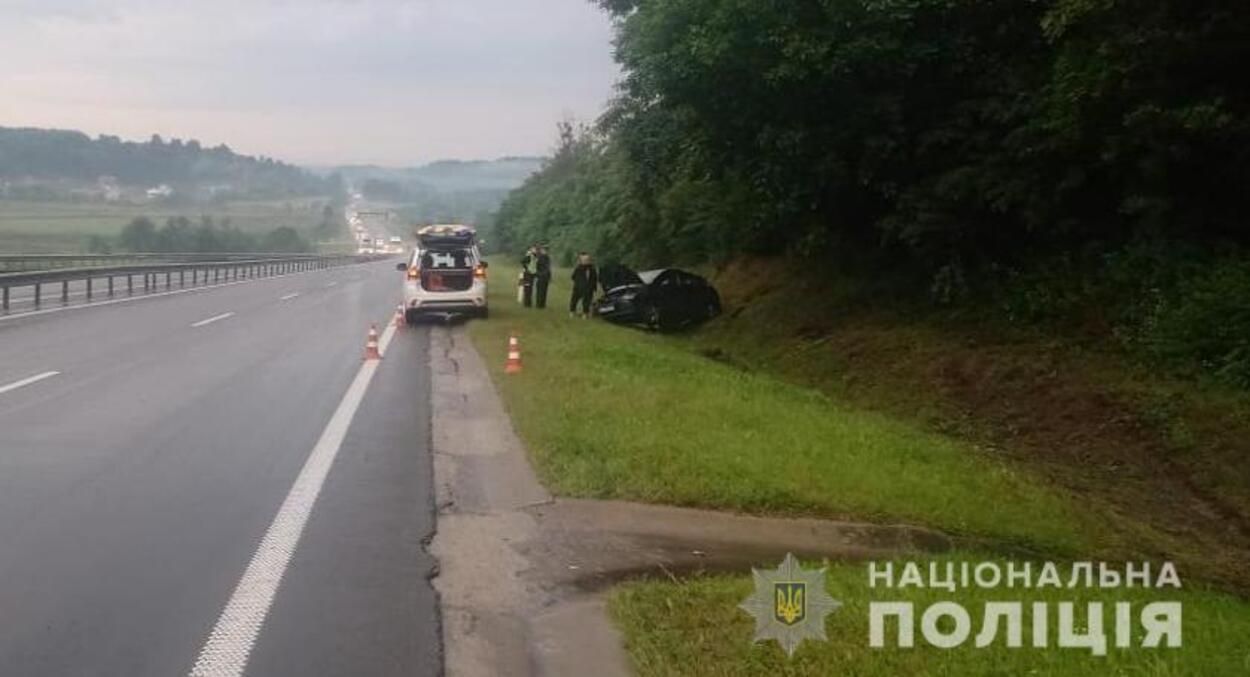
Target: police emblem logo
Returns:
[789, 604]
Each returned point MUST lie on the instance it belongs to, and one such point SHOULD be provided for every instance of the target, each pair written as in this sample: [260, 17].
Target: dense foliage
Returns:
[54, 155]
[956, 141]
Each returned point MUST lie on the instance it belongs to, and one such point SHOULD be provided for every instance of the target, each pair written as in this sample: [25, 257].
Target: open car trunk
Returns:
[450, 270]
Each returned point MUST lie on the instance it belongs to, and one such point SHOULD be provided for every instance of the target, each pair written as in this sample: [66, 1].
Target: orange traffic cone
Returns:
[513, 365]
[371, 345]
[399, 317]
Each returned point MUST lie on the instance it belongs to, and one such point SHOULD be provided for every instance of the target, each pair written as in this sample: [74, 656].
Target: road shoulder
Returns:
[498, 617]
[523, 576]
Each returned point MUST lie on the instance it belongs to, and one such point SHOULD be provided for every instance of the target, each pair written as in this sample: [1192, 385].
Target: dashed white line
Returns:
[229, 646]
[288, 297]
[332, 284]
[27, 381]
[215, 318]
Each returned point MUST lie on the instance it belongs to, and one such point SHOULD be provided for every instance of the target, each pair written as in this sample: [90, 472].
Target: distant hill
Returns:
[51, 163]
[451, 176]
[461, 191]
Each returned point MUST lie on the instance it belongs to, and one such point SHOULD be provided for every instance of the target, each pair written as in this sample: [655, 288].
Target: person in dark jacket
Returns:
[585, 279]
[542, 276]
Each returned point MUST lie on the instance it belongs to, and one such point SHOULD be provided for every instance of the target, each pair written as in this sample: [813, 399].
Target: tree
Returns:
[139, 235]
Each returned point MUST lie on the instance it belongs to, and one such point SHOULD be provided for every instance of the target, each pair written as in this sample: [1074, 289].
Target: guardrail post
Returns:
[130, 284]
[88, 288]
[64, 291]
[6, 299]
[168, 275]
[37, 293]
[110, 286]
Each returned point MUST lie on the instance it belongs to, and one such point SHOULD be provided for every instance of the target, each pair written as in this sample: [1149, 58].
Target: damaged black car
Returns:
[664, 299]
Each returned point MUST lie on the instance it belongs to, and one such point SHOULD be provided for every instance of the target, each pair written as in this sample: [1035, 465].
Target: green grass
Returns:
[611, 412]
[34, 227]
[694, 628]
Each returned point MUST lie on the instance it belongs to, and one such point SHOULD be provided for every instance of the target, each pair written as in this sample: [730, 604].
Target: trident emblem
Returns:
[791, 602]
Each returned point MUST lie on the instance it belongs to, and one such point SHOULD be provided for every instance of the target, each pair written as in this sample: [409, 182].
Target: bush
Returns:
[1175, 305]
[1205, 323]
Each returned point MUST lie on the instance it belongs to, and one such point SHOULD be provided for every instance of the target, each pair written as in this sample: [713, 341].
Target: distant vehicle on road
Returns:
[663, 299]
[445, 274]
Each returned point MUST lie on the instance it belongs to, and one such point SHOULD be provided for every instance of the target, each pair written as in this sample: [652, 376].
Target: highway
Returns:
[166, 459]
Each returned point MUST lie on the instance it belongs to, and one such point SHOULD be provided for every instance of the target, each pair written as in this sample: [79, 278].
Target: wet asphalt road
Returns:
[138, 480]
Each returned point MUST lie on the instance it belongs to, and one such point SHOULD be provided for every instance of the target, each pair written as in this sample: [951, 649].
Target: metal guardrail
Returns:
[27, 262]
[199, 272]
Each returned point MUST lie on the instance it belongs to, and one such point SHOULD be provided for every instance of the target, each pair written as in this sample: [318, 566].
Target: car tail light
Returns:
[479, 272]
[414, 273]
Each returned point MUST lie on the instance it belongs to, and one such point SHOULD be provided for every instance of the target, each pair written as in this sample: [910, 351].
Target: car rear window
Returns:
[462, 258]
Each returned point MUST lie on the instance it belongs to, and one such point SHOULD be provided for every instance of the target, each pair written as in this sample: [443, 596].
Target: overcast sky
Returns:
[393, 82]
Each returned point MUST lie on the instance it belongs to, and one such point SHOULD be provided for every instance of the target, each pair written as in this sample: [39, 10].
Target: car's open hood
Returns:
[614, 275]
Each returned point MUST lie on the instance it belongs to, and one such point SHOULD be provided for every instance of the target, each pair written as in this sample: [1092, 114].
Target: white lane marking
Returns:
[332, 284]
[27, 381]
[229, 646]
[211, 320]
[288, 297]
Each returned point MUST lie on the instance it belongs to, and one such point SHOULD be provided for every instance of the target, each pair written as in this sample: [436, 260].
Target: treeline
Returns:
[181, 234]
[1060, 154]
[69, 155]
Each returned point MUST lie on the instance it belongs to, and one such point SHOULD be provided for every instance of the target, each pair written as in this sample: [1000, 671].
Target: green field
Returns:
[694, 628]
[611, 412]
[65, 227]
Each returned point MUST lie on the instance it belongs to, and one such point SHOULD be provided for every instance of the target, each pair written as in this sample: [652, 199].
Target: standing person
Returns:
[585, 279]
[527, 276]
[542, 276]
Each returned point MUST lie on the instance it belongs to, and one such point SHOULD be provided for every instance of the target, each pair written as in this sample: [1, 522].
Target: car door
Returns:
[666, 295]
[691, 308]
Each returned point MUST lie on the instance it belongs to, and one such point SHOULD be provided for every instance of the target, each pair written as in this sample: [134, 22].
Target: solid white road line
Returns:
[27, 381]
[211, 320]
[288, 297]
[229, 646]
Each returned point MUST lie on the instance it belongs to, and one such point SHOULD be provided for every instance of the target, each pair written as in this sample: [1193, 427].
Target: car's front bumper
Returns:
[618, 310]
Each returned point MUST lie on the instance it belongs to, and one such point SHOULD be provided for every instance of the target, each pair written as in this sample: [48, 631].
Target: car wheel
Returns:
[410, 318]
[483, 312]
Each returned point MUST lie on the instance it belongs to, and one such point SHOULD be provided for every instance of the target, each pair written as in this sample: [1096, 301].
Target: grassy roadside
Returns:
[694, 628]
[609, 412]
[1163, 462]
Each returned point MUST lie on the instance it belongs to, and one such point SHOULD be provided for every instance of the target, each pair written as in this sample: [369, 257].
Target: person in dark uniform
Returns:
[542, 276]
[585, 279]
